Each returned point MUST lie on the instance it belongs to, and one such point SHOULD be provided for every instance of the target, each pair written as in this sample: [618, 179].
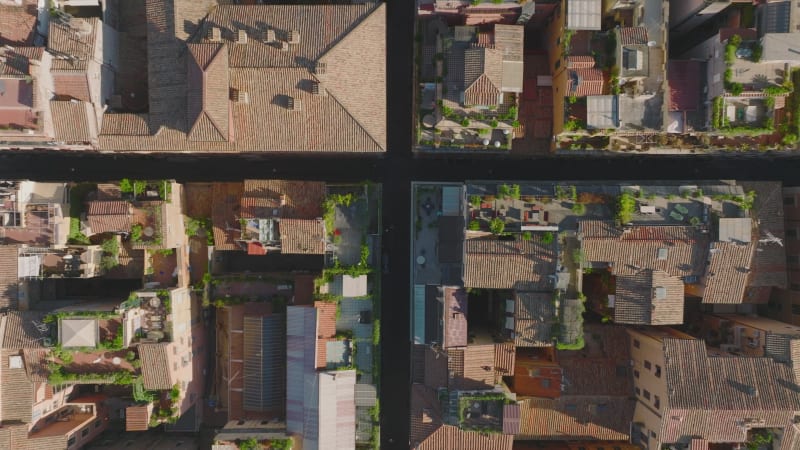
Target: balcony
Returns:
[64, 421]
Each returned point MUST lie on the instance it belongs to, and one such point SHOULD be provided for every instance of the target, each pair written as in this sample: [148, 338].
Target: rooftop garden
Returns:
[482, 412]
[147, 227]
[146, 189]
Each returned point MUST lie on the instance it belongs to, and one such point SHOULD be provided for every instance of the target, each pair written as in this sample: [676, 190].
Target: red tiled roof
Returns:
[637, 247]
[155, 366]
[9, 281]
[534, 319]
[638, 302]
[294, 199]
[685, 81]
[583, 82]
[769, 268]
[18, 61]
[326, 330]
[511, 415]
[726, 277]
[137, 418]
[569, 417]
[208, 96]
[633, 36]
[226, 198]
[300, 236]
[73, 121]
[75, 39]
[580, 62]
[523, 265]
[455, 318]
[74, 85]
[481, 92]
[18, 22]
[108, 216]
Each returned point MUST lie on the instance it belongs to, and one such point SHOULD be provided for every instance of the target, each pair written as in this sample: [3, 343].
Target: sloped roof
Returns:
[302, 236]
[590, 417]
[18, 61]
[455, 318]
[137, 418]
[78, 332]
[580, 62]
[75, 85]
[637, 247]
[349, 115]
[18, 22]
[226, 198]
[724, 392]
[769, 268]
[519, 264]
[16, 390]
[125, 125]
[9, 280]
[294, 199]
[208, 109]
[326, 330]
[534, 319]
[155, 366]
[633, 36]
[73, 121]
[479, 366]
[583, 82]
[726, 278]
[72, 44]
[108, 216]
[650, 297]
[685, 83]
[19, 330]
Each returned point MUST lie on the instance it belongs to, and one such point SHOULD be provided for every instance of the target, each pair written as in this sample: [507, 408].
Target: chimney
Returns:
[269, 36]
[284, 46]
[239, 96]
[294, 104]
[241, 37]
[294, 37]
[318, 89]
[214, 34]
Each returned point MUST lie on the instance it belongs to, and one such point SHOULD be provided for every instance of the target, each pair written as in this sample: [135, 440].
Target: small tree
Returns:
[526, 236]
[579, 209]
[626, 205]
[474, 225]
[475, 201]
[497, 225]
[547, 238]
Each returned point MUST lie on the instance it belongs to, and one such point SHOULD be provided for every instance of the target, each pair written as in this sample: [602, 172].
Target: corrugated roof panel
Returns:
[451, 201]
[419, 313]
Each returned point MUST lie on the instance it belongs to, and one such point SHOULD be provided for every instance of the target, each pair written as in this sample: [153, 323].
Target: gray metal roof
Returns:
[735, 230]
[781, 47]
[602, 111]
[584, 14]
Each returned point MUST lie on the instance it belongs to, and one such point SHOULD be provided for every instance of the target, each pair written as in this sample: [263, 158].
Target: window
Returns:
[658, 371]
[71, 441]
[636, 374]
[647, 394]
[657, 402]
[647, 365]
[97, 423]
[546, 383]
[638, 391]
[84, 432]
[788, 201]
[636, 343]
[791, 233]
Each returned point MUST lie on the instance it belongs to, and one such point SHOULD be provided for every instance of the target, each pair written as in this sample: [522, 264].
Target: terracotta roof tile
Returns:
[350, 117]
[633, 36]
[725, 392]
[522, 265]
[650, 297]
[326, 330]
[638, 247]
[685, 81]
[108, 216]
[226, 198]
[155, 366]
[769, 264]
[583, 82]
[74, 85]
[208, 93]
[75, 42]
[36, 363]
[16, 391]
[137, 418]
[20, 330]
[295, 199]
[9, 281]
[17, 62]
[481, 92]
[480, 366]
[301, 236]
[125, 125]
[580, 62]
[534, 319]
[18, 22]
[590, 417]
[73, 121]
[108, 191]
[455, 318]
[726, 278]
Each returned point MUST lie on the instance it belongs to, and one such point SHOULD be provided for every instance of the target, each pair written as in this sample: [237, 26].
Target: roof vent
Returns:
[319, 68]
[269, 36]
[214, 34]
[293, 37]
[284, 46]
[240, 96]
[294, 104]
[241, 37]
[317, 88]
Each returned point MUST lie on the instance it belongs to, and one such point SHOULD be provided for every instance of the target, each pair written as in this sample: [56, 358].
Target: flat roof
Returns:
[584, 14]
